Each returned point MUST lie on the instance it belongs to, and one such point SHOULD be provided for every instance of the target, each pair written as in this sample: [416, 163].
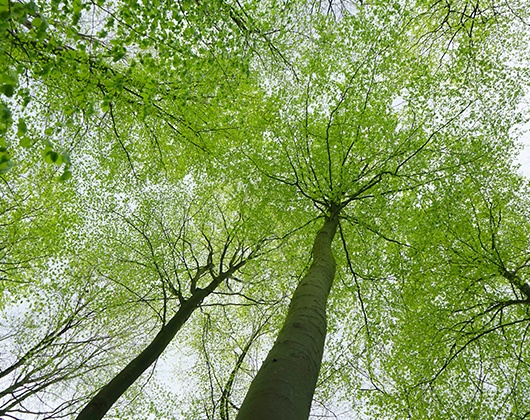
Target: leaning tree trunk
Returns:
[284, 386]
[98, 406]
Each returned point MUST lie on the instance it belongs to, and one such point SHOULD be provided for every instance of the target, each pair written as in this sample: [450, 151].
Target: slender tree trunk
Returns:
[109, 394]
[284, 386]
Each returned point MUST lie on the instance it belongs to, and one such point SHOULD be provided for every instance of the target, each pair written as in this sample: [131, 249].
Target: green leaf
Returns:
[7, 89]
[45, 69]
[77, 6]
[41, 31]
[5, 117]
[22, 128]
[26, 142]
[6, 166]
[4, 12]
[118, 52]
[53, 157]
[66, 175]
[18, 11]
[5, 160]
[66, 158]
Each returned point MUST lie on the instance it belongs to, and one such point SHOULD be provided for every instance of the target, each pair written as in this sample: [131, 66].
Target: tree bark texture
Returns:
[284, 386]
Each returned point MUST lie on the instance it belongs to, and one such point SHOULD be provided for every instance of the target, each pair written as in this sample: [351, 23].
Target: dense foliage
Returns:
[154, 150]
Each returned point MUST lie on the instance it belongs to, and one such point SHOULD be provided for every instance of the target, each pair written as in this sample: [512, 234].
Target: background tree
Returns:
[472, 284]
[180, 267]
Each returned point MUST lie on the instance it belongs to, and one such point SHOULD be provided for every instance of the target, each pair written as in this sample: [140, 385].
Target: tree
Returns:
[473, 285]
[348, 115]
[326, 178]
[221, 265]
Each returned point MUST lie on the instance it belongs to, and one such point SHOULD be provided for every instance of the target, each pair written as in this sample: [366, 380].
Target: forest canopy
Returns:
[279, 209]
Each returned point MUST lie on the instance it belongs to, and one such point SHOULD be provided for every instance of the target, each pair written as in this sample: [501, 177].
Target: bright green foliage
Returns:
[479, 323]
[138, 138]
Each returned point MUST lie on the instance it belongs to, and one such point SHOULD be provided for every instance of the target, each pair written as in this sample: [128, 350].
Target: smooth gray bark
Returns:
[284, 386]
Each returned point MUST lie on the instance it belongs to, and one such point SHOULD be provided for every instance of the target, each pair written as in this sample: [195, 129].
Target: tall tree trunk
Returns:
[109, 394]
[284, 386]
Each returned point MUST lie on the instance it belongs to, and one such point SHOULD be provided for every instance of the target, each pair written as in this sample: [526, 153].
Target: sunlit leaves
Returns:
[177, 123]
